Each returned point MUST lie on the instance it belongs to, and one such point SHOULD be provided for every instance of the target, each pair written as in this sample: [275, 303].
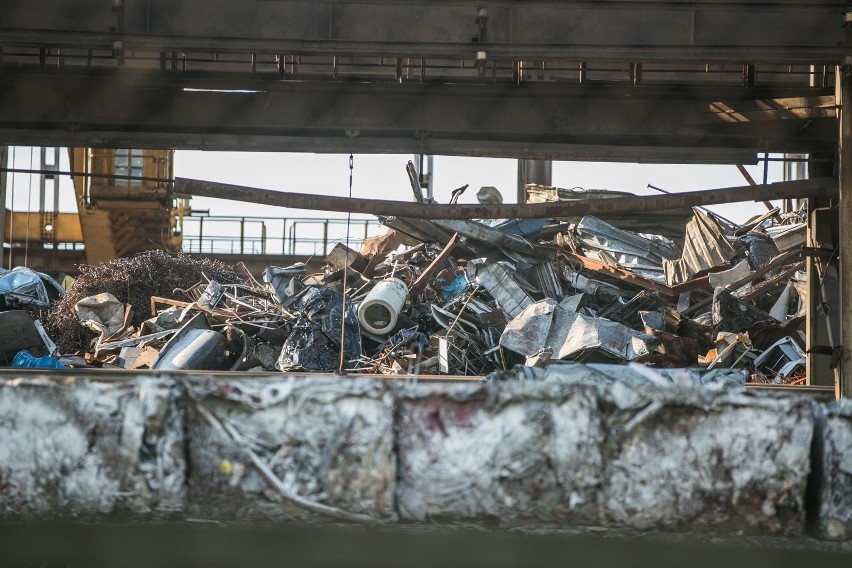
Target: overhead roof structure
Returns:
[627, 80]
[692, 81]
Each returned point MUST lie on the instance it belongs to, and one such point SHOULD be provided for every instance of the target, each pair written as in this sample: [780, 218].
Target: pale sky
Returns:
[384, 177]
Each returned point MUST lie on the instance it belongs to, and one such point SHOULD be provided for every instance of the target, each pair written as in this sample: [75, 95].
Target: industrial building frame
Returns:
[676, 81]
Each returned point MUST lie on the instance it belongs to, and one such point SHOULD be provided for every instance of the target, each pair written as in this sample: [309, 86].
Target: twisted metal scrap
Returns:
[133, 280]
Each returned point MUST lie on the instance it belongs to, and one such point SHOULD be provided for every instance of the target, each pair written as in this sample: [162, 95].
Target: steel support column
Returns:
[533, 171]
[823, 286]
[844, 82]
[4, 154]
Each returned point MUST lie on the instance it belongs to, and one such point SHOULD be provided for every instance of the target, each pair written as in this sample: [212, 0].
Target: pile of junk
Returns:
[675, 288]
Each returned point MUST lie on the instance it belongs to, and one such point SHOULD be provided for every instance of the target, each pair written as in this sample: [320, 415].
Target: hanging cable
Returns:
[341, 362]
[29, 206]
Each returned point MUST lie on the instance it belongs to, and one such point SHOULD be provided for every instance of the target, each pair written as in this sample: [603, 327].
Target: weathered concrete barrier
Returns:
[835, 498]
[574, 446]
[89, 449]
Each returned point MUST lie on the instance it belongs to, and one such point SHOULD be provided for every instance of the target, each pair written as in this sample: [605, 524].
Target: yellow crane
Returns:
[125, 205]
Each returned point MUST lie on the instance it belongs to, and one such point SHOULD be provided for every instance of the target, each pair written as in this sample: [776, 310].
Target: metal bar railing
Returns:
[246, 235]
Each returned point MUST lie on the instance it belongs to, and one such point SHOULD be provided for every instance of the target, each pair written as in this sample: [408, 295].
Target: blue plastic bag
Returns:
[24, 360]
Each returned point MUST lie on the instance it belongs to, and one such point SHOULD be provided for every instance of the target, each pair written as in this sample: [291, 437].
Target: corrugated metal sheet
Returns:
[640, 255]
[705, 247]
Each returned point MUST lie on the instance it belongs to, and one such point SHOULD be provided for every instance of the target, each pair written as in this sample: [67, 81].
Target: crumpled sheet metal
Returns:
[548, 326]
[327, 440]
[314, 344]
[497, 279]
[705, 247]
[640, 255]
[588, 336]
[27, 286]
[527, 333]
[514, 452]
[668, 223]
[835, 498]
[91, 450]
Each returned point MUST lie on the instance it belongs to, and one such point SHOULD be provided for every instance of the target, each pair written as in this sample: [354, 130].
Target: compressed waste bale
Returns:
[633, 375]
[291, 448]
[695, 458]
[90, 450]
[514, 451]
[835, 498]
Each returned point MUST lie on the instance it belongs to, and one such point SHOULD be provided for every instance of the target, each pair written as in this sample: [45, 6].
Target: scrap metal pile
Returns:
[682, 288]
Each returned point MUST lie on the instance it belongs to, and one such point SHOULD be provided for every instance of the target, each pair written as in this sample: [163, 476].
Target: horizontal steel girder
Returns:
[605, 30]
[153, 109]
[800, 189]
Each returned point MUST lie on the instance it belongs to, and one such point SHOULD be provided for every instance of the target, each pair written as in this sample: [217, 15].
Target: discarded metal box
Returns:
[197, 347]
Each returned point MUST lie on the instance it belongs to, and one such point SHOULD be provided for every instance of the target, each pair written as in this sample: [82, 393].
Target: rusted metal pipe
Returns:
[822, 187]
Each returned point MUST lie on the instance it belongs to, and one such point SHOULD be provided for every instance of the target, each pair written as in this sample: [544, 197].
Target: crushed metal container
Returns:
[197, 347]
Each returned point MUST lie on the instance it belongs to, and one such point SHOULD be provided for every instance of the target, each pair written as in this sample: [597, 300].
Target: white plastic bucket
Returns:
[380, 309]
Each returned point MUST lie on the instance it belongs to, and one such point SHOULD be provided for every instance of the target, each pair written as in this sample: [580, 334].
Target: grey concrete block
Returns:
[88, 449]
[325, 440]
[835, 498]
[514, 451]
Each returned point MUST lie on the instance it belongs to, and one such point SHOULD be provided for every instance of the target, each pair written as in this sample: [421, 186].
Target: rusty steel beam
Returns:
[633, 204]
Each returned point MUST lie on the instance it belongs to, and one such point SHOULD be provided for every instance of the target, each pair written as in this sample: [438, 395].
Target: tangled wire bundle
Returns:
[133, 280]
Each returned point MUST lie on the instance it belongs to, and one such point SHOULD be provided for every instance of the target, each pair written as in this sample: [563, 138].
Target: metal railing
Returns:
[343, 67]
[211, 234]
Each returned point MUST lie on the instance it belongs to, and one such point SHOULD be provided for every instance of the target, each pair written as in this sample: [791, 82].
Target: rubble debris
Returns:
[133, 281]
[315, 342]
[784, 361]
[19, 332]
[24, 287]
[705, 247]
[681, 288]
[641, 255]
[197, 347]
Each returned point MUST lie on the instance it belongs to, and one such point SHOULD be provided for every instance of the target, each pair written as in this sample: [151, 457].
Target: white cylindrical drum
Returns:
[380, 309]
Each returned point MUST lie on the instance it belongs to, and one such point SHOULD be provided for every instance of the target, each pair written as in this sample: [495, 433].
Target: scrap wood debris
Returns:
[450, 297]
